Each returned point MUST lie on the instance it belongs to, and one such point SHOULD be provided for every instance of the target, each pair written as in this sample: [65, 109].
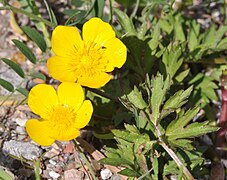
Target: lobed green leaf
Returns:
[159, 90]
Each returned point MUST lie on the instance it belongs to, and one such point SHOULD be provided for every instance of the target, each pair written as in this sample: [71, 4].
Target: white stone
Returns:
[105, 174]
[52, 162]
[54, 175]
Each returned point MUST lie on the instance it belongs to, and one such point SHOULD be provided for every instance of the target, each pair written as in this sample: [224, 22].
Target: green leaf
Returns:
[182, 75]
[38, 75]
[7, 85]
[36, 37]
[99, 6]
[25, 50]
[135, 97]
[172, 58]
[180, 174]
[222, 44]
[182, 143]
[155, 38]
[170, 168]
[141, 120]
[193, 35]
[77, 2]
[159, 90]
[205, 87]
[14, 66]
[115, 162]
[23, 91]
[195, 129]
[178, 129]
[51, 14]
[210, 37]
[155, 168]
[103, 136]
[178, 99]
[181, 121]
[129, 172]
[178, 28]
[126, 23]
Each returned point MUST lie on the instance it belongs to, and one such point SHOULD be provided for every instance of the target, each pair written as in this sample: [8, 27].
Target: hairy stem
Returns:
[173, 155]
[179, 163]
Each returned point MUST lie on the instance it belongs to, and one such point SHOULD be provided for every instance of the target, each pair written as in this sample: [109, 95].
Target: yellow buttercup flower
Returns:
[62, 113]
[86, 61]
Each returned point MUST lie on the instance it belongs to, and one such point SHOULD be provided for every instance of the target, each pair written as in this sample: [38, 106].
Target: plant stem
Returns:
[37, 167]
[103, 94]
[21, 11]
[179, 163]
[85, 159]
[173, 155]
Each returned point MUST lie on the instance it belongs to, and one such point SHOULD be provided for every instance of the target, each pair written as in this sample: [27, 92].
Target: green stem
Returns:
[103, 94]
[85, 159]
[21, 11]
[37, 167]
[179, 163]
[173, 155]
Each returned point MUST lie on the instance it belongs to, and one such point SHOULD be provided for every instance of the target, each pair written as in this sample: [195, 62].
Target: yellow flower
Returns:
[86, 61]
[62, 113]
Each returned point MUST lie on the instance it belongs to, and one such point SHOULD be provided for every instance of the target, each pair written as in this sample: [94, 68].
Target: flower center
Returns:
[88, 60]
[62, 116]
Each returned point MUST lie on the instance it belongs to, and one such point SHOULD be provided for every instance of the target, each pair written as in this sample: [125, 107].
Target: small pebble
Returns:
[52, 153]
[20, 130]
[105, 174]
[54, 175]
[52, 162]
[73, 174]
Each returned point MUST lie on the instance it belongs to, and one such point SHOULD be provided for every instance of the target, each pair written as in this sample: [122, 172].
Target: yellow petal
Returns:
[68, 134]
[65, 40]
[95, 81]
[71, 94]
[41, 100]
[84, 114]
[59, 68]
[97, 31]
[39, 132]
[116, 53]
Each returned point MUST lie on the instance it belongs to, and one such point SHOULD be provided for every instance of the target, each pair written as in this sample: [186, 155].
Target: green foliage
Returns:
[160, 88]
[14, 66]
[7, 85]
[38, 75]
[36, 37]
[126, 23]
[135, 97]
[23, 91]
[204, 89]
[172, 70]
[178, 99]
[183, 130]
[133, 147]
[25, 50]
